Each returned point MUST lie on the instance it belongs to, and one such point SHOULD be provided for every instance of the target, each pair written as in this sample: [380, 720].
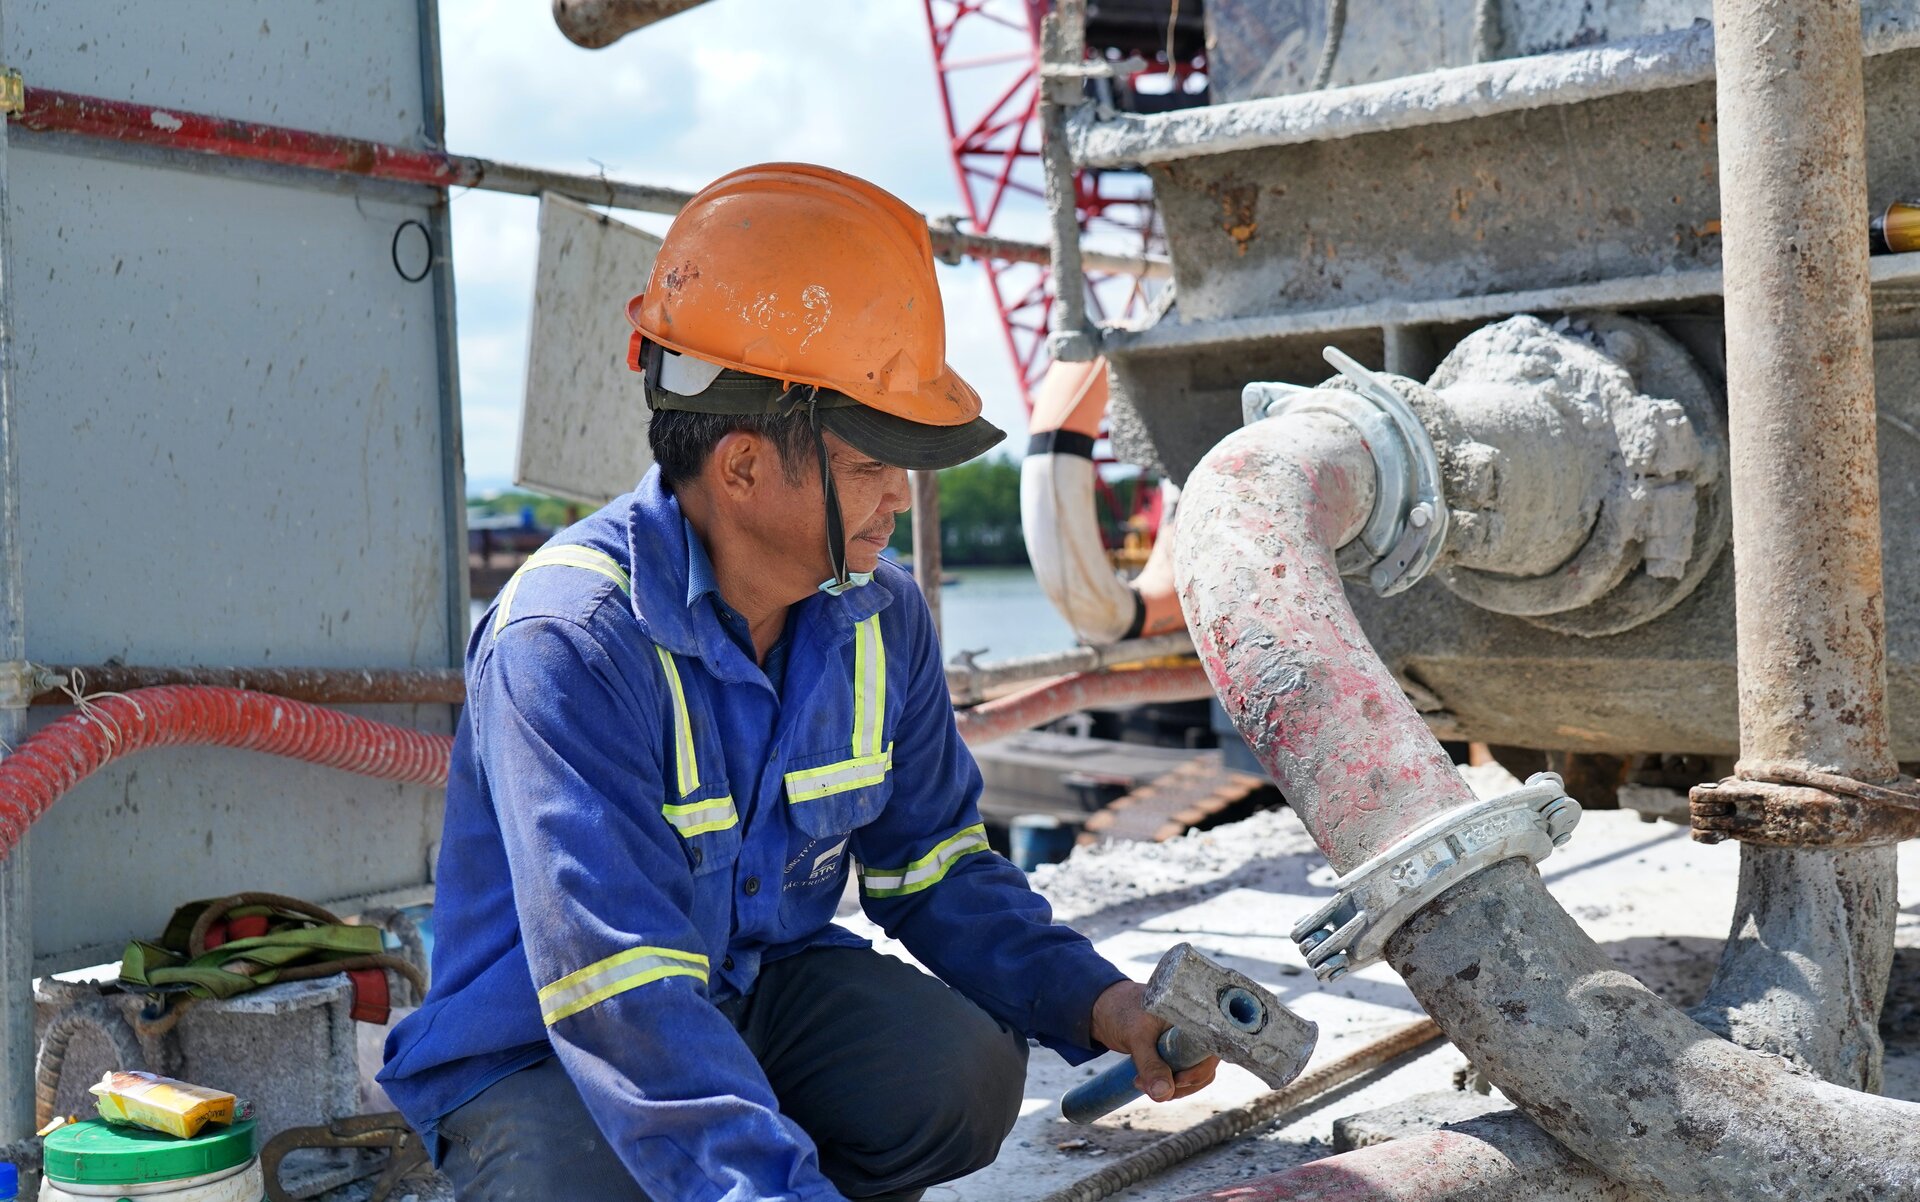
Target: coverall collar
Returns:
[666, 595]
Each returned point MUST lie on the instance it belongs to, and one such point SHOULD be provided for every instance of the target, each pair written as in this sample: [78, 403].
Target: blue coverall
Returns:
[637, 821]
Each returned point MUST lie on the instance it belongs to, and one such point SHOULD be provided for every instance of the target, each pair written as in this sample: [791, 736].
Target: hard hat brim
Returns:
[916, 446]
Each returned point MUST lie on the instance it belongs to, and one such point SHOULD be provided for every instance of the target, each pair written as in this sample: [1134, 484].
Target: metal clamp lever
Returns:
[1372, 901]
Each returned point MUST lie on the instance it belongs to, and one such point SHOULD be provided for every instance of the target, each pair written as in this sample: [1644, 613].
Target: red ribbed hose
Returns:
[108, 728]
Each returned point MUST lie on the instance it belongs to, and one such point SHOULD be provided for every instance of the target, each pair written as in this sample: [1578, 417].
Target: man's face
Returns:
[789, 519]
[871, 493]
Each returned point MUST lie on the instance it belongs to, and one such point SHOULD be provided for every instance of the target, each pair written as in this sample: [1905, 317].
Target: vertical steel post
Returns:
[453, 464]
[1063, 47]
[1806, 965]
[926, 541]
[16, 911]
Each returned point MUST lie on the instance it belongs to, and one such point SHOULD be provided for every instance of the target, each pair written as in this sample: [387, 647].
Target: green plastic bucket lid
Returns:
[95, 1152]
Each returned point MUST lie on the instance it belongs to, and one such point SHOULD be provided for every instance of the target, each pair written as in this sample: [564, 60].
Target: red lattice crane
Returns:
[986, 54]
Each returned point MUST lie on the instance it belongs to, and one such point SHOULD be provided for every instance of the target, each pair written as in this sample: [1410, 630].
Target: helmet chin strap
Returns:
[836, 523]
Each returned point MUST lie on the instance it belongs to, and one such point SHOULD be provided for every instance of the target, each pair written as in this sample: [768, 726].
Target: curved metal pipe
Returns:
[1617, 1076]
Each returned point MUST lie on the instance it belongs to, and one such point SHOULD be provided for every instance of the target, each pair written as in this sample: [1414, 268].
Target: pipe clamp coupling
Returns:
[1372, 901]
[1408, 526]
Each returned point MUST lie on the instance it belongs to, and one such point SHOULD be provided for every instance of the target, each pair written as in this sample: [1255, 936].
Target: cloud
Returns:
[842, 82]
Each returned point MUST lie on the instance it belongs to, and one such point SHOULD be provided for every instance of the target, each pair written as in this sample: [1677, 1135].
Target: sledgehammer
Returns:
[1215, 1011]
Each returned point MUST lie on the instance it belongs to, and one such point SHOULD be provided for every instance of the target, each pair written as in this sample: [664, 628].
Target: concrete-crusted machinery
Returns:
[1606, 268]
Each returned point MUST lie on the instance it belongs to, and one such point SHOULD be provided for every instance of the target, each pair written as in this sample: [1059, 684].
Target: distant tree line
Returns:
[979, 513]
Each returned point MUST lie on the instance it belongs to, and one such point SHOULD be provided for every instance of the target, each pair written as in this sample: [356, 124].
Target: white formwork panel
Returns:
[237, 436]
[583, 417]
[348, 67]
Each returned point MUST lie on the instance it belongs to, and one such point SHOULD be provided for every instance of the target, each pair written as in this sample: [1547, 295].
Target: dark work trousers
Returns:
[901, 1082]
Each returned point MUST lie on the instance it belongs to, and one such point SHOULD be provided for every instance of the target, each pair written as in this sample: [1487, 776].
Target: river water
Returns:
[1000, 612]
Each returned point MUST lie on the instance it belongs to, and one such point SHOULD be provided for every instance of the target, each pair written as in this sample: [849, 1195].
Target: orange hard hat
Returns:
[811, 276]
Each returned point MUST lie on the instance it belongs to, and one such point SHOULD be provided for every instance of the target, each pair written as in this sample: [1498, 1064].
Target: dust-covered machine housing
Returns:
[1477, 161]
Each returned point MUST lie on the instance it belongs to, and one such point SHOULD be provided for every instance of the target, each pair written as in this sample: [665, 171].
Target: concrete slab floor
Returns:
[1659, 902]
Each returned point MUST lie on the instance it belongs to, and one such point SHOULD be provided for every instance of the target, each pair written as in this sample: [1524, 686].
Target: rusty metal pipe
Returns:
[969, 680]
[596, 24]
[1615, 1075]
[1806, 966]
[1057, 698]
[178, 130]
[321, 686]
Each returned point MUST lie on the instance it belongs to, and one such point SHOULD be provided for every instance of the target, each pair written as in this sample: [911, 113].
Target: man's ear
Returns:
[740, 464]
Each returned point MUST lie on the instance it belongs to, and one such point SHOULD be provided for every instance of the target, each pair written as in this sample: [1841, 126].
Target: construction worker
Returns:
[685, 717]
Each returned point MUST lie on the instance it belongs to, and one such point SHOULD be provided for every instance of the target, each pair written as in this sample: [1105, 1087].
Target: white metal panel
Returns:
[341, 67]
[583, 417]
[234, 429]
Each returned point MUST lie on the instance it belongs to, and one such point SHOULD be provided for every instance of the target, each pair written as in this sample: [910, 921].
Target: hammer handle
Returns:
[1113, 1088]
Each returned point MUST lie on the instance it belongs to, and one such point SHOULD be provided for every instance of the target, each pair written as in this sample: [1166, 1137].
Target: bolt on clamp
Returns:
[1371, 902]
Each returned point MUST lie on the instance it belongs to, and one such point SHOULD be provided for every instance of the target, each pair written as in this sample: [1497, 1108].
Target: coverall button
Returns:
[697, 857]
[727, 964]
[752, 885]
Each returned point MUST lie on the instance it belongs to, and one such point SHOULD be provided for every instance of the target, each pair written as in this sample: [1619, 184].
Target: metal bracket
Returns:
[1372, 901]
[13, 91]
[1408, 527]
[19, 681]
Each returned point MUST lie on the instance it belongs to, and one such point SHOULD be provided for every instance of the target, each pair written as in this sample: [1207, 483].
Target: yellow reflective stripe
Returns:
[926, 871]
[561, 557]
[810, 784]
[686, 764]
[700, 817]
[615, 975]
[869, 687]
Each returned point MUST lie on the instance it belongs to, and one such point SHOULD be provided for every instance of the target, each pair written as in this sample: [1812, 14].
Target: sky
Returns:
[846, 83]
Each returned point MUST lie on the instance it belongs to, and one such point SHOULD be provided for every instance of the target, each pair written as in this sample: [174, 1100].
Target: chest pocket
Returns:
[703, 812]
[847, 787]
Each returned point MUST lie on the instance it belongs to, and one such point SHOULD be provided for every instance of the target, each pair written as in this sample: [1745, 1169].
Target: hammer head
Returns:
[1226, 1014]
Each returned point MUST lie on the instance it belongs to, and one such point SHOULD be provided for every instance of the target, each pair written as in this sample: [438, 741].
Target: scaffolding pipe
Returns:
[1617, 1076]
[54, 112]
[969, 681]
[926, 542]
[55, 685]
[1089, 690]
[1806, 965]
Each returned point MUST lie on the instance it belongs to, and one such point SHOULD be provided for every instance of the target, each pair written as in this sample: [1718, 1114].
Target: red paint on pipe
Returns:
[1263, 515]
[48, 111]
[1497, 1161]
[1057, 698]
[57, 758]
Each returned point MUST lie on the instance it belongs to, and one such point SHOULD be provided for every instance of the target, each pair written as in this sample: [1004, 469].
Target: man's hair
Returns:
[683, 441]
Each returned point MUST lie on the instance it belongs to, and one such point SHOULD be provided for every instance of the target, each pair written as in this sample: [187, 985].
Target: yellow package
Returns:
[161, 1103]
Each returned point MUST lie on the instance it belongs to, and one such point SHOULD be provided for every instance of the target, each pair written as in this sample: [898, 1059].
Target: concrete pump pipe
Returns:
[1617, 1076]
[1062, 528]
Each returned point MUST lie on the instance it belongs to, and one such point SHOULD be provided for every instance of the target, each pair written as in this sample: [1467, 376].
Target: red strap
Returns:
[371, 1002]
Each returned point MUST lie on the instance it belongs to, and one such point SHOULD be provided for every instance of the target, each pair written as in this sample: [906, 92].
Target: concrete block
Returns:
[288, 1049]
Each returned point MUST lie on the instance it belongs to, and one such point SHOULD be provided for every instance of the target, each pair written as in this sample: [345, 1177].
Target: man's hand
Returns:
[1122, 1024]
